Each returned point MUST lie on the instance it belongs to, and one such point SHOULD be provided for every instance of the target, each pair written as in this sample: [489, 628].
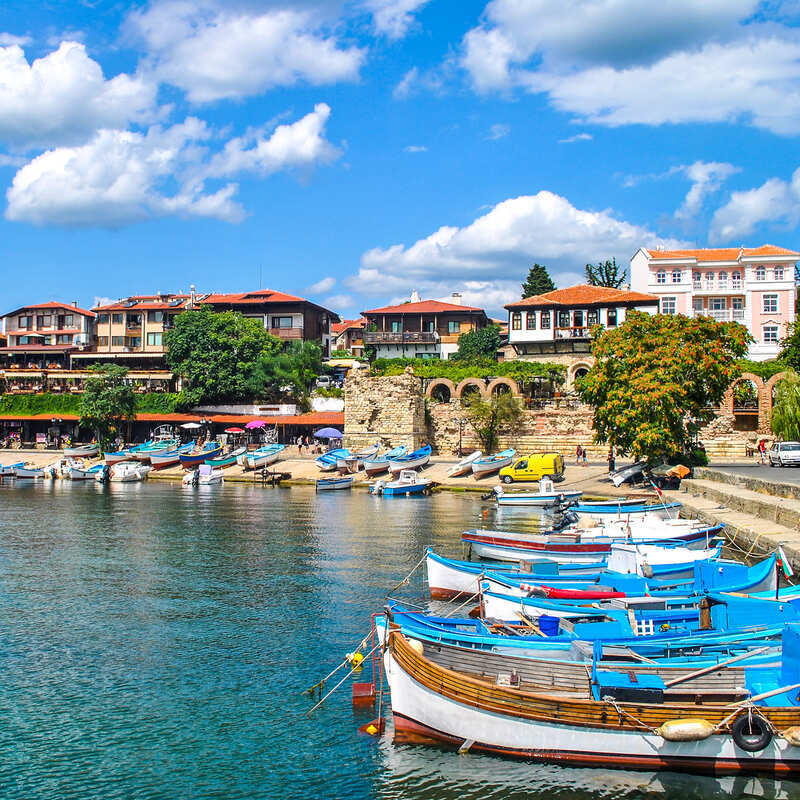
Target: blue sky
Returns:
[353, 151]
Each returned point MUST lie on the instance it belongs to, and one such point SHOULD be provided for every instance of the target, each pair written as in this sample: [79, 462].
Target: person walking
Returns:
[583, 455]
[762, 450]
[578, 454]
[612, 462]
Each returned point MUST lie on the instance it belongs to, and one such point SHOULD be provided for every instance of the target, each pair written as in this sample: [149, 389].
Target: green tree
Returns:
[107, 402]
[656, 378]
[482, 343]
[786, 409]
[538, 282]
[294, 369]
[605, 273]
[790, 347]
[217, 353]
[501, 414]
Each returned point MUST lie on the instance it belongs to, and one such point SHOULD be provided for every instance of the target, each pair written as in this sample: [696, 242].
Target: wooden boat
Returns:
[160, 460]
[126, 472]
[416, 460]
[333, 484]
[227, 459]
[83, 473]
[10, 470]
[629, 473]
[626, 723]
[327, 461]
[29, 472]
[380, 463]
[158, 447]
[464, 467]
[262, 457]
[488, 465]
[204, 475]
[587, 544]
[115, 456]
[408, 483]
[197, 457]
[82, 450]
[609, 509]
[544, 498]
[355, 461]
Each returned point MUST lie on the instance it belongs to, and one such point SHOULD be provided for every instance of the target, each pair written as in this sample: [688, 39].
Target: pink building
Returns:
[753, 286]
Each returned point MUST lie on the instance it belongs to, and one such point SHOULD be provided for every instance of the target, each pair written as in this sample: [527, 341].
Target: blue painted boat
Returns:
[171, 457]
[227, 459]
[627, 509]
[334, 484]
[10, 470]
[262, 457]
[488, 465]
[415, 460]
[327, 461]
[379, 464]
[408, 483]
[210, 450]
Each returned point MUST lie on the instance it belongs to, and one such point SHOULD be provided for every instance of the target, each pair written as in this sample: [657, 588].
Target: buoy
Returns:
[355, 659]
[371, 729]
[685, 730]
[485, 512]
[416, 646]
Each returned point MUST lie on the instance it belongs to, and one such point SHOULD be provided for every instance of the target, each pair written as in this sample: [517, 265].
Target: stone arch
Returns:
[577, 370]
[772, 384]
[495, 385]
[478, 385]
[758, 403]
[441, 386]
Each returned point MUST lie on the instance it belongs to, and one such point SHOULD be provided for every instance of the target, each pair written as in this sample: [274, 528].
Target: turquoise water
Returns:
[155, 642]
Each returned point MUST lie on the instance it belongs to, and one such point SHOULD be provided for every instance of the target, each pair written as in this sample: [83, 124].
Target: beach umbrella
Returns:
[328, 433]
[255, 423]
[191, 425]
[234, 430]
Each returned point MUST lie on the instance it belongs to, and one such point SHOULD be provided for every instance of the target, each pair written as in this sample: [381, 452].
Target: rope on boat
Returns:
[623, 713]
[320, 684]
[406, 579]
[468, 600]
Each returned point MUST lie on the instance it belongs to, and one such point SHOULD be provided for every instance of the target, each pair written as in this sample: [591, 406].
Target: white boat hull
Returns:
[464, 467]
[540, 499]
[86, 450]
[482, 469]
[396, 467]
[447, 583]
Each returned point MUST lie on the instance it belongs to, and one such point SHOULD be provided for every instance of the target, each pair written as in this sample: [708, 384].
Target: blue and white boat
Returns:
[380, 463]
[409, 482]
[416, 460]
[82, 473]
[327, 461]
[10, 470]
[623, 508]
[209, 450]
[334, 484]
[488, 465]
[262, 457]
[542, 498]
[171, 457]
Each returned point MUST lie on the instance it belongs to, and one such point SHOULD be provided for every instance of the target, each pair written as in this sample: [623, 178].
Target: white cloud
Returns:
[63, 97]
[500, 245]
[299, 144]
[393, 18]
[103, 301]
[499, 131]
[578, 137]
[322, 286]
[338, 301]
[11, 161]
[403, 89]
[776, 201]
[9, 39]
[214, 52]
[707, 177]
[415, 148]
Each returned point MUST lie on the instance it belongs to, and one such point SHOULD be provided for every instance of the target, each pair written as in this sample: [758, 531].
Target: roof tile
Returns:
[584, 294]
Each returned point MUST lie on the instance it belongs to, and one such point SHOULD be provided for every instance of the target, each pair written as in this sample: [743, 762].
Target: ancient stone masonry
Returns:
[390, 410]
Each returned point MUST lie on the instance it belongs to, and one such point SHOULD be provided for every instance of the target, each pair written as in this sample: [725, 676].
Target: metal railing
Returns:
[572, 333]
[287, 333]
[721, 314]
[389, 337]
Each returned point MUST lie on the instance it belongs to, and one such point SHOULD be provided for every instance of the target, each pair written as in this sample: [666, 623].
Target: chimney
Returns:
[74, 303]
[415, 298]
[191, 296]
[455, 298]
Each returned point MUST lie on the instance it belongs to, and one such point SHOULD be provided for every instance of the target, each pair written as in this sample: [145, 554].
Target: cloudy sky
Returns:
[351, 151]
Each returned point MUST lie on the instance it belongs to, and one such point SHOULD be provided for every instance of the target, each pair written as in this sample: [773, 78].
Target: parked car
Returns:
[325, 382]
[534, 467]
[784, 454]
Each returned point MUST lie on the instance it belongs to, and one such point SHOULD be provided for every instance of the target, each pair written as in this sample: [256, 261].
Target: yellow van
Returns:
[534, 467]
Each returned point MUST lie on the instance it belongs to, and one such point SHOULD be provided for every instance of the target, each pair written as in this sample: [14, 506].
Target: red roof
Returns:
[52, 304]
[38, 348]
[148, 302]
[314, 418]
[583, 295]
[723, 253]
[424, 307]
[341, 327]
[253, 298]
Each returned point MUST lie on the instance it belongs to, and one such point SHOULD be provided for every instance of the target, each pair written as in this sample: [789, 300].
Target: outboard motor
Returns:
[192, 478]
[103, 475]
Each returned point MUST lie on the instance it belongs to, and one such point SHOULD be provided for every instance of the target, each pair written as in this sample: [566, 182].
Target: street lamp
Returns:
[461, 423]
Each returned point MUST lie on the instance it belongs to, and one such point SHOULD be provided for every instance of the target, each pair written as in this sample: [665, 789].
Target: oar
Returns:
[722, 664]
[765, 695]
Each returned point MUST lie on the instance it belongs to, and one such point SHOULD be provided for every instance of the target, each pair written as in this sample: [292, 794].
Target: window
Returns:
[26, 340]
[134, 341]
[116, 319]
[154, 338]
[612, 317]
[661, 276]
[676, 276]
[667, 305]
[155, 316]
[530, 321]
[64, 338]
[24, 323]
[770, 304]
[102, 319]
[453, 326]
[516, 321]
[44, 321]
[102, 341]
[736, 280]
[577, 319]
[134, 320]
[545, 319]
[69, 320]
[427, 326]
[778, 273]
[737, 303]
[718, 304]
[286, 322]
[723, 280]
[770, 334]
[696, 280]
[761, 274]
[709, 280]
[593, 317]
[397, 325]
[563, 319]
[697, 305]
[118, 341]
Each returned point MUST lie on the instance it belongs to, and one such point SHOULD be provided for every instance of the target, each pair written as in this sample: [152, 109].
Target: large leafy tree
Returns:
[786, 409]
[656, 378]
[479, 344]
[294, 370]
[606, 273]
[217, 353]
[538, 282]
[107, 401]
[489, 418]
[790, 347]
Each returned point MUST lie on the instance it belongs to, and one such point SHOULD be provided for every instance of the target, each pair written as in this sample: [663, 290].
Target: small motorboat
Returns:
[629, 510]
[126, 472]
[195, 458]
[157, 447]
[416, 460]
[82, 450]
[82, 473]
[115, 456]
[262, 457]
[332, 484]
[380, 463]
[488, 465]
[629, 474]
[464, 467]
[227, 459]
[204, 475]
[162, 460]
[31, 472]
[10, 470]
[547, 496]
[409, 482]
[327, 461]
[355, 461]
[61, 468]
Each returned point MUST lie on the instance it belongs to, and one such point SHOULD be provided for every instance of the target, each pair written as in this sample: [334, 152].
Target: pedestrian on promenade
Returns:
[300, 445]
[612, 462]
[583, 454]
[762, 450]
[578, 454]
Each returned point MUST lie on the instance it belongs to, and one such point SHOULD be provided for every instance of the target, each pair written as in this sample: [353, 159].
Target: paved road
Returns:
[784, 474]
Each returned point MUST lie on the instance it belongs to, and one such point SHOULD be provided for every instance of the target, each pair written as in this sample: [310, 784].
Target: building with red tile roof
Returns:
[349, 335]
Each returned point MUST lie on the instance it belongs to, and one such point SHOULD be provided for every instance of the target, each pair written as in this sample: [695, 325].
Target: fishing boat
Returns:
[227, 459]
[327, 461]
[196, 457]
[408, 483]
[262, 457]
[355, 461]
[380, 463]
[115, 456]
[162, 460]
[464, 467]
[488, 465]
[10, 470]
[631, 509]
[159, 446]
[204, 475]
[625, 723]
[29, 472]
[546, 497]
[334, 484]
[125, 472]
[416, 460]
[82, 451]
[630, 473]
[587, 544]
[83, 473]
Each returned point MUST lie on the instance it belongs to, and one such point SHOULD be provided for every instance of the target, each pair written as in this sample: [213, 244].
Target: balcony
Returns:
[715, 287]
[287, 333]
[722, 315]
[572, 333]
[403, 337]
